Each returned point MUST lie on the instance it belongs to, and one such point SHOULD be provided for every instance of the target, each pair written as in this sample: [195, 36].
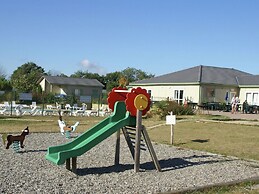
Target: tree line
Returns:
[25, 77]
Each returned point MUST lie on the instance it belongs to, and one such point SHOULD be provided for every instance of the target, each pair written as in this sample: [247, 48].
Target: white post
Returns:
[171, 120]
[172, 134]
[172, 131]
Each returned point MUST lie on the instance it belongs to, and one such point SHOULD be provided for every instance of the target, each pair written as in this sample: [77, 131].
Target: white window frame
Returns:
[252, 98]
[178, 96]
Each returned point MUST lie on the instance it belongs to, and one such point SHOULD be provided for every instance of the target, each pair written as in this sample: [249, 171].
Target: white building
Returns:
[201, 84]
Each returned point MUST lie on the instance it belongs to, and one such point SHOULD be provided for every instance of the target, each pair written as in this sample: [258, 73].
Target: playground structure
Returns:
[17, 140]
[64, 129]
[128, 108]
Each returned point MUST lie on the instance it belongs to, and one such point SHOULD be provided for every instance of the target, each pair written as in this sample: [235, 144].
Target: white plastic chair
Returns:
[67, 106]
[33, 104]
[6, 104]
[2, 111]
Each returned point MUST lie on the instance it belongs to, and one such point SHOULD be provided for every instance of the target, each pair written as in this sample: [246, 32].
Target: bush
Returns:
[164, 108]
[148, 115]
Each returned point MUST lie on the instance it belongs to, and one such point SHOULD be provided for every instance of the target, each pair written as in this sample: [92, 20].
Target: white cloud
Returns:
[92, 67]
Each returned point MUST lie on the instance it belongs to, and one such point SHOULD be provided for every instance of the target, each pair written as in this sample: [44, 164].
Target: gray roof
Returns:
[198, 74]
[252, 80]
[71, 81]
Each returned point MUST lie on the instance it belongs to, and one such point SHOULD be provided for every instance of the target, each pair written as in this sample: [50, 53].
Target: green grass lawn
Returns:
[44, 123]
[222, 138]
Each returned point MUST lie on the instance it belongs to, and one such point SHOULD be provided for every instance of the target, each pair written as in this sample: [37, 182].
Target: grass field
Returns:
[221, 138]
[44, 123]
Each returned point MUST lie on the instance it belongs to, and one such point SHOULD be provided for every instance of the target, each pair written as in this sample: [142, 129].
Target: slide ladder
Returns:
[145, 142]
[130, 137]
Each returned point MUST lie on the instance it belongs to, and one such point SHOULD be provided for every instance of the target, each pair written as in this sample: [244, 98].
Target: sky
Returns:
[104, 36]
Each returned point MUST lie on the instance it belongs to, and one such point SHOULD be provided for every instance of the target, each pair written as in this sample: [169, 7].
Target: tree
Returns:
[5, 85]
[112, 80]
[56, 73]
[25, 77]
[88, 75]
[2, 73]
[132, 74]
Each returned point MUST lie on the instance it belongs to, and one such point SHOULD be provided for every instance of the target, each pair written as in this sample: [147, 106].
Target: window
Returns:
[252, 98]
[77, 92]
[149, 92]
[255, 98]
[95, 93]
[249, 98]
[178, 96]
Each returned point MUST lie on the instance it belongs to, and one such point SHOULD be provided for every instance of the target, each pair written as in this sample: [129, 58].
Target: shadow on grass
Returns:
[193, 140]
[166, 165]
[200, 140]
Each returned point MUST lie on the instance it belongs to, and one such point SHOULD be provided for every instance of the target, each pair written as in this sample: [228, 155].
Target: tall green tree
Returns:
[5, 85]
[25, 77]
[55, 73]
[88, 75]
[133, 74]
[112, 80]
[2, 73]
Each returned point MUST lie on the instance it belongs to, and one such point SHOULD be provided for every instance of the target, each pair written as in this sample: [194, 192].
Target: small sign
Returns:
[170, 120]
[85, 99]
[25, 96]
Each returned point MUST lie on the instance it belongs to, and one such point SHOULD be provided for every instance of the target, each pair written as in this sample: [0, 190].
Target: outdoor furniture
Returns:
[2, 111]
[227, 108]
[67, 112]
[48, 112]
[33, 104]
[213, 105]
[79, 112]
[18, 110]
[49, 106]
[68, 107]
[91, 112]
[193, 105]
[202, 107]
[105, 113]
[33, 111]
[252, 109]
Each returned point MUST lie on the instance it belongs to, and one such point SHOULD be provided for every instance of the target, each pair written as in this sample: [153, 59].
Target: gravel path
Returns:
[29, 171]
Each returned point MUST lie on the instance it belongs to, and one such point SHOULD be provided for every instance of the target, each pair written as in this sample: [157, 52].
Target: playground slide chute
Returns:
[93, 136]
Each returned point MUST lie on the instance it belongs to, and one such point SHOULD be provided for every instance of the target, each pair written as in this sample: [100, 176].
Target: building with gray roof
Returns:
[201, 84]
[82, 88]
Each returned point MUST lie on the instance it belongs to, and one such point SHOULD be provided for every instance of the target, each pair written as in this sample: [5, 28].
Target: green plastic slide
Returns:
[119, 118]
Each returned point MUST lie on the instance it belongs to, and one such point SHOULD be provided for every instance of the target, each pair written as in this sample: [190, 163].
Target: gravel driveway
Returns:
[29, 171]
